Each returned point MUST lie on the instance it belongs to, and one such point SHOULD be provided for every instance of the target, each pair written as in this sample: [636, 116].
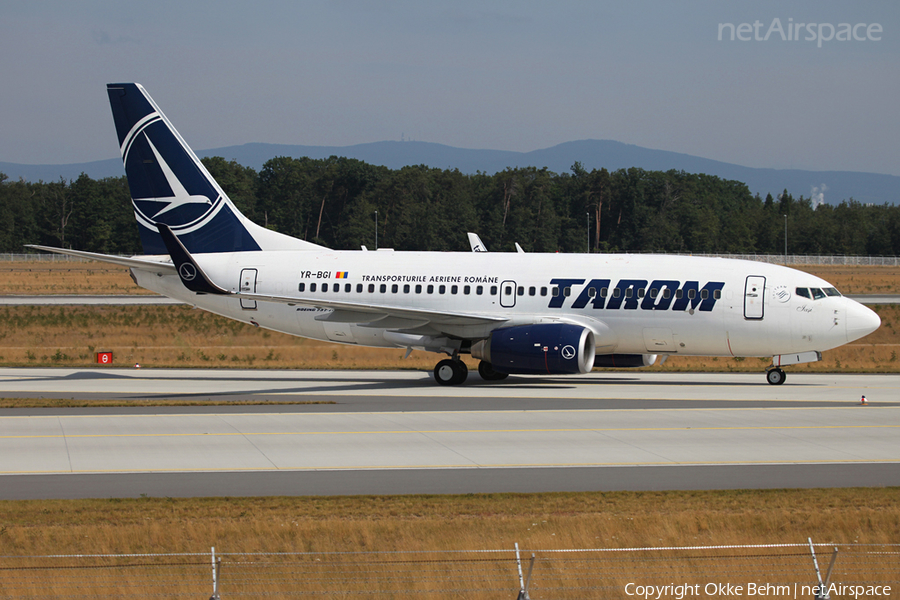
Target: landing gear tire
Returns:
[775, 376]
[450, 372]
[487, 372]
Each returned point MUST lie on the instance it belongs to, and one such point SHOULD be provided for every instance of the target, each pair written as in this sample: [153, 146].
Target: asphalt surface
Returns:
[398, 432]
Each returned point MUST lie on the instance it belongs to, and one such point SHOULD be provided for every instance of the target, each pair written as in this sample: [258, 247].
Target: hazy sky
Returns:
[506, 75]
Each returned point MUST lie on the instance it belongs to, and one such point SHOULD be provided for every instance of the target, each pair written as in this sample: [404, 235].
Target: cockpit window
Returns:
[816, 293]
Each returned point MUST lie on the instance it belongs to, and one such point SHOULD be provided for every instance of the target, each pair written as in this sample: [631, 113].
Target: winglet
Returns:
[192, 276]
[476, 243]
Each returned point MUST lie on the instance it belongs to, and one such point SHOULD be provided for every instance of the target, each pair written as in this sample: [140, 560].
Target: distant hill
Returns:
[592, 154]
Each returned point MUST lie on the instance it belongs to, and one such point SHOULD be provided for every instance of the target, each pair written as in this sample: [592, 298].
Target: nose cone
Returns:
[861, 321]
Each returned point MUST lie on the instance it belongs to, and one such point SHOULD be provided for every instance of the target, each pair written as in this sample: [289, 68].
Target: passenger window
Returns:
[359, 288]
[641, 292]
[405, 288]
[521, 291]
[418, 288]
[543, 290]
[301, 287]
[616, 292]
[567, 291]
[667, 293]
[454, 289]
[629, 292]
[817, 293]
[654, 292]
[324, 287]
[479, 290]
[430, 289]
[347, 287]
[382, 288]
[371, 288]
[803, 293]
[442, 289]
[312, 287]
[508, 290]
[592, 292]
[337, 288]
[493, 290]
[604, 292]
[679, 294]
[704, 294]
[692, 294]
[467, 289]
[717, 294]
[394, 288]
[555, 291]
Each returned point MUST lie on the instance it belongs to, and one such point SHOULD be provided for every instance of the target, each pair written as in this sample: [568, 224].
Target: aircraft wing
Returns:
[135, 263]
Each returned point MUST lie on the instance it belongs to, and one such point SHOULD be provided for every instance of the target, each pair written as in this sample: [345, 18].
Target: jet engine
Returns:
[540, 349]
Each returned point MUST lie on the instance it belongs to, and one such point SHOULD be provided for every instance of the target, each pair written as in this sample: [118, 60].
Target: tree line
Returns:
[334, 202]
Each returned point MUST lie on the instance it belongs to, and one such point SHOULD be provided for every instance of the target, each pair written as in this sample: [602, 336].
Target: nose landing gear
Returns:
[775, 375]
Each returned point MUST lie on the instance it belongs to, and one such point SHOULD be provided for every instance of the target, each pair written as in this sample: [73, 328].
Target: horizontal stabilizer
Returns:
[134, 263]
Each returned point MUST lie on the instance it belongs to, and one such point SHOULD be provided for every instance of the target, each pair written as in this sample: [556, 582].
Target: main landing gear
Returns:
[487, 372]
[452, 371]
[775, 376]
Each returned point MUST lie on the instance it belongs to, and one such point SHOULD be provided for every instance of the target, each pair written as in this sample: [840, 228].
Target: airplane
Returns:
[517, 313]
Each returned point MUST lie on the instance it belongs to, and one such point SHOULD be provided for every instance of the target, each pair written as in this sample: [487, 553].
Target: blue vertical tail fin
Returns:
[170, 185]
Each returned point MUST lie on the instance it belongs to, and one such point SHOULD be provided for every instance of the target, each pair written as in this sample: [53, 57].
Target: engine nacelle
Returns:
[624, 361]
[541, 349]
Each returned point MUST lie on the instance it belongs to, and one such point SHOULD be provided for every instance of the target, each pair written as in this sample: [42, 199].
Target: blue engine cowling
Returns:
[541, 349]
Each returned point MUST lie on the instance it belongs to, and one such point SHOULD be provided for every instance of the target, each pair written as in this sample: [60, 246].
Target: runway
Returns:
[397, 432]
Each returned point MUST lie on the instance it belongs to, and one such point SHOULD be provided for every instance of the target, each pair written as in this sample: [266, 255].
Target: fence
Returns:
[679, 573]
[801, 259]
[779, 259]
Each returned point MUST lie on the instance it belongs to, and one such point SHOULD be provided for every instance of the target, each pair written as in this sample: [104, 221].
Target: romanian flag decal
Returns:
[341, 275]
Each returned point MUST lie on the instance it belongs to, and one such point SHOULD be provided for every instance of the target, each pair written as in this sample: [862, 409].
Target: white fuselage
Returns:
[630, 302]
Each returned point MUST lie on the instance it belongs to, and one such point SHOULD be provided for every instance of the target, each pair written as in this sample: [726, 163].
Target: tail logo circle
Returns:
[187, 271]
